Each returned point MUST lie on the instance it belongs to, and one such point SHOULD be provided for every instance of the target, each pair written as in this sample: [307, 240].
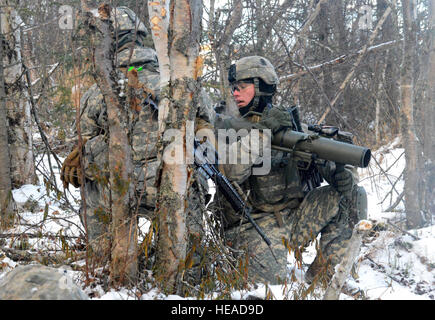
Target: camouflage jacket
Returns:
[144, 126]
[281, 188]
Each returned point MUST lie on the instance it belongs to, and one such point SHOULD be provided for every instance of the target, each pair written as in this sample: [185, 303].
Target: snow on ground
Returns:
[392, 264]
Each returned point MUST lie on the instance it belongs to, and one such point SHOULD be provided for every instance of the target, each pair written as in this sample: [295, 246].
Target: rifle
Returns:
[208, 169]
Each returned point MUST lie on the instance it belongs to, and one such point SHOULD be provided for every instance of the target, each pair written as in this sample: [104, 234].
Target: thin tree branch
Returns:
[339, 60]
[396, 203]
[349, 76]
[306, 26]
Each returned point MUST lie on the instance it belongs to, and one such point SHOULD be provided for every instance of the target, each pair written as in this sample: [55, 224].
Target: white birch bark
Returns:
[6, 199]
[17, 103]
[176, 33]
[159, 22]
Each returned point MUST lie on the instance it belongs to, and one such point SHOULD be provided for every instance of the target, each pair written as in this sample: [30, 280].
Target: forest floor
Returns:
[393, 264]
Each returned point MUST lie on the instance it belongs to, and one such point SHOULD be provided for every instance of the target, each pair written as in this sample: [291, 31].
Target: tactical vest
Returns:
[280, 188]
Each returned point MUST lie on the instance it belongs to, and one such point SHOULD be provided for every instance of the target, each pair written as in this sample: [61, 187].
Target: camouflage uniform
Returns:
[289, 215]
[144, 129]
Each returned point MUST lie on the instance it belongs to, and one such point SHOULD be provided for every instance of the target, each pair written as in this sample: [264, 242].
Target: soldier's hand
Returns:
[343, 180]
[71, 172]
[276, 119]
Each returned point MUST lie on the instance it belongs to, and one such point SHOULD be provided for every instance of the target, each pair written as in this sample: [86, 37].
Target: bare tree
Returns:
[429, 149]
[124, 224]
[17, 104]
[221, 48]
[6, 199]
[390, 77]
[428, 113]
[409, 138]
[176, 28]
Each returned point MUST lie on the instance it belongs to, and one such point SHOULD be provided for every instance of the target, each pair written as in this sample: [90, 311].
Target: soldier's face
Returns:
[243, 93]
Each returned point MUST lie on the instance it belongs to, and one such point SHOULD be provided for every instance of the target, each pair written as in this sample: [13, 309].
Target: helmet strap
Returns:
[258, 94]
[257, 100]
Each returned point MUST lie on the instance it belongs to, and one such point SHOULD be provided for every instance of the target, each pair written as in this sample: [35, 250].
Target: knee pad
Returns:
[359, 203]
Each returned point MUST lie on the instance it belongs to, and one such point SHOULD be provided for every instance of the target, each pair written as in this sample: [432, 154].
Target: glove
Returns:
[276, 119]
[71, 172]
[343, 181]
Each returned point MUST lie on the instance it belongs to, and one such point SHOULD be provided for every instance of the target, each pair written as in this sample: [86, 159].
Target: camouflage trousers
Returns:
[319, 213]
[97, 219]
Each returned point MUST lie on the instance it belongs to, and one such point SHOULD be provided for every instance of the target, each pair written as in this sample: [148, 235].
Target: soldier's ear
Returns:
[267, 88]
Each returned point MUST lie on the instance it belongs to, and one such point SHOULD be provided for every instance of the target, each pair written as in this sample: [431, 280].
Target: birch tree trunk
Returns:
[6, 199]
[18, 107]
[409, 138]
[123, 266]
[176, 29]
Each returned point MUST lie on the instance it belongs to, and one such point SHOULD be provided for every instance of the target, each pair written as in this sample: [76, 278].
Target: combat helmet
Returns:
[125, 20]
[253, 67]
[129, 29]
[257, 70]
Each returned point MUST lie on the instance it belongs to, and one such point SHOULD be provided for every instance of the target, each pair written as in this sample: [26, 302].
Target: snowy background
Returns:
[393, 264]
